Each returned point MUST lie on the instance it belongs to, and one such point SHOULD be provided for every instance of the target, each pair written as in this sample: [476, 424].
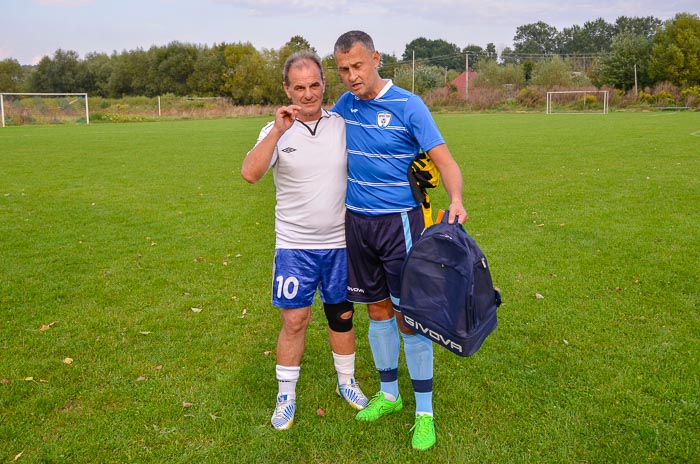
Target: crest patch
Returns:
[383, 119]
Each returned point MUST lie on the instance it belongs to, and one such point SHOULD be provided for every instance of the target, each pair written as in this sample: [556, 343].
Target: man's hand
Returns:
[285, 116]
[257, 161]
[457, 209]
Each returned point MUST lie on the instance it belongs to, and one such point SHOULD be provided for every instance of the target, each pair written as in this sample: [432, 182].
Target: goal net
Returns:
[577, 102]
[44, 108]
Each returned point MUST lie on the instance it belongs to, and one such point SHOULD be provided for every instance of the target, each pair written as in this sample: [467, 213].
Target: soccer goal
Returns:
[43, 108]
[577, 102]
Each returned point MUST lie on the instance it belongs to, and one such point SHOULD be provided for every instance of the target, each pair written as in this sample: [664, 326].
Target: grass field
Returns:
[110, 235]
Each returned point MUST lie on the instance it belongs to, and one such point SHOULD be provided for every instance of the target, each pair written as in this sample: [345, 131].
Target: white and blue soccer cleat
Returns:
[283, 417]
[352, 393]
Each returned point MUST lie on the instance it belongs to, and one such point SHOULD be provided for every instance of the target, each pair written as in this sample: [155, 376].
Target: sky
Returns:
[32, 29]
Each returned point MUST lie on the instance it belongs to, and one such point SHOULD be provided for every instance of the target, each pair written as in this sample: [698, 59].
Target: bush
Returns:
[691, 96]
[491, 74]
[665, 98]
[693, 91]
[550, 73]
[644, 97]
[589, 101]
[530, 97]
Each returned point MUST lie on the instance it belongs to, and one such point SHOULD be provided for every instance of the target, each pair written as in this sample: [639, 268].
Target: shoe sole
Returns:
[379, 416]
[423, 449]
[286, 427]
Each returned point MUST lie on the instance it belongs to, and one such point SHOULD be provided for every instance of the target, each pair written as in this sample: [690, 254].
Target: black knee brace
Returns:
[334, 313]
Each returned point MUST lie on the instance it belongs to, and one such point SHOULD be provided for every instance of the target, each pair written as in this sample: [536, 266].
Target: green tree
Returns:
[476, 54]
[57, 74]
[491, 52]
[424, 79]
[593, 37]
[130, 71]
[296, 44]
[435, 53]
[94, 73]
[11, 75]
[551, 73]
[170, 68]
[388, 64]
[570, 40]
[272, 75]
[207, 77]
[334, 85]
[491, 74]
[646, 26]
[535, 39]
[243, 81]
[598, 36]
[618, 67]
[508, 56]
[676, 51]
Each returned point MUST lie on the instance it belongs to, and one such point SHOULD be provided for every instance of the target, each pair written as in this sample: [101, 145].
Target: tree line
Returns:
[632, 49]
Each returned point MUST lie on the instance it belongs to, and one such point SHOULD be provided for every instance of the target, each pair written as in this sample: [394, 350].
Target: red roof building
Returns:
[460, 82]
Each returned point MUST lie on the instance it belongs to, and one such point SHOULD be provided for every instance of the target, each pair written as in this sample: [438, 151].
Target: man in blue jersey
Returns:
[305, 148]
[387, 127]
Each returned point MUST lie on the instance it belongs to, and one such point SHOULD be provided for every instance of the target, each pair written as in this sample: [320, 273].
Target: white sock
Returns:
[345, 367]
[287, 377]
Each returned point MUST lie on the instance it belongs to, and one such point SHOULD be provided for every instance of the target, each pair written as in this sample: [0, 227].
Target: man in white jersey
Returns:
[305, 147]
[387, 128]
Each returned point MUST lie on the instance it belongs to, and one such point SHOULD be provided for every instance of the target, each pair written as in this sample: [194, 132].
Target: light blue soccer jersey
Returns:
[383, 136]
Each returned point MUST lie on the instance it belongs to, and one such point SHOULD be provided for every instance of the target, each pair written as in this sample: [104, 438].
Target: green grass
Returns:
[114, 232]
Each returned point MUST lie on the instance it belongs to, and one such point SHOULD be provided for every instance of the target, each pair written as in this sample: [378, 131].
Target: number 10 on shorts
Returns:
[287, 287]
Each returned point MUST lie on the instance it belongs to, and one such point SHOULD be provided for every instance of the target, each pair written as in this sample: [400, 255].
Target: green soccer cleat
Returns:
[423, 432]
[378, 407]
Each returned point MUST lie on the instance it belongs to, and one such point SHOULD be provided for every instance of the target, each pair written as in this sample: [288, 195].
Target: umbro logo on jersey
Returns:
[289, 150]
[354, 110]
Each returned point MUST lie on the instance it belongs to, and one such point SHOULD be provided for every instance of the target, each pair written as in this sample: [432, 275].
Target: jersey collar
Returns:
[387, 86]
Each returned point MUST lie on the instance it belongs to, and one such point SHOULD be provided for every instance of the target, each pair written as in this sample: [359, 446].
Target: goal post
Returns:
[42, 107]
[577, 102]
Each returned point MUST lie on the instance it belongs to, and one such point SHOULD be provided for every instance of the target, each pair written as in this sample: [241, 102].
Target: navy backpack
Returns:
[447, 293]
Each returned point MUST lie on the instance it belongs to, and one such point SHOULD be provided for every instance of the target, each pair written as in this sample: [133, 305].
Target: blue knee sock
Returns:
[385, 344]
[419, 358]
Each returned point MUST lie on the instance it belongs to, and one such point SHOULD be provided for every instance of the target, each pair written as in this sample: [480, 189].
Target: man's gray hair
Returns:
[298, 57]
[351, 38]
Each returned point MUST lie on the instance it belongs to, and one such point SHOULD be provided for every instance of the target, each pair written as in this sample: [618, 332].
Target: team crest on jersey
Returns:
[383, 119]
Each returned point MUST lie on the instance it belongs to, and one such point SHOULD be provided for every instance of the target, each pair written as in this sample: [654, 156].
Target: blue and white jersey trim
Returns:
[377, 184]
[381, 155]
[388, 100]
[350, 122]
[374, 211]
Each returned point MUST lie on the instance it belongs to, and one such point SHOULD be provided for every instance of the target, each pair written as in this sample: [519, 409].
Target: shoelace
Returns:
[281, 408]
[421, 426]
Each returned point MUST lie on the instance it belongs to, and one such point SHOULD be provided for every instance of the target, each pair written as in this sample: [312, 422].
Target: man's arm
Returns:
[257, 161]
[451, 179]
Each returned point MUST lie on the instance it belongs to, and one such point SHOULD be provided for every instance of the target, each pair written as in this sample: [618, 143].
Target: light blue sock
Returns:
[419, 358]
[385, 344]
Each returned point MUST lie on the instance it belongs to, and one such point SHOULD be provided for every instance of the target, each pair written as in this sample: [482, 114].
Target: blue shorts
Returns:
[298, 273]
[377, 247]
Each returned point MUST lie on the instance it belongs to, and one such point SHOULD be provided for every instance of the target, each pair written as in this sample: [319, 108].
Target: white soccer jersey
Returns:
[310, 172]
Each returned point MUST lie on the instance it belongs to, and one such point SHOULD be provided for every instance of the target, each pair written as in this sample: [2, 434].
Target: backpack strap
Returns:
[444, 216]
